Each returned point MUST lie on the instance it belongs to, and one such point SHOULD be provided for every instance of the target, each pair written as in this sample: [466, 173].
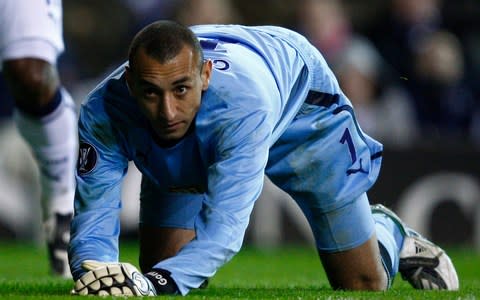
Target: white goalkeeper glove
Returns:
[122, 279]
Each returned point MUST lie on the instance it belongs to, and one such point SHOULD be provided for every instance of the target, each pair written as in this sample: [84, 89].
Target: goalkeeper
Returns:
[205, 113]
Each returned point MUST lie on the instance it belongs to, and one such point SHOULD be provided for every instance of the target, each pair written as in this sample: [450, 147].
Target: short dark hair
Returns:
[163, 40]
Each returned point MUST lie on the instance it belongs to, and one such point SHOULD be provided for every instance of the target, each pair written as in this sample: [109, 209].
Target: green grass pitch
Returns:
[283, 273]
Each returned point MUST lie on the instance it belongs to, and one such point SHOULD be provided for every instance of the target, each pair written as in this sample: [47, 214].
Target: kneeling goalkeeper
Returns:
[204, 115]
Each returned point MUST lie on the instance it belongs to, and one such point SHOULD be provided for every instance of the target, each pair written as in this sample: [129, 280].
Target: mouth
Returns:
[170, 127]
[173, 125]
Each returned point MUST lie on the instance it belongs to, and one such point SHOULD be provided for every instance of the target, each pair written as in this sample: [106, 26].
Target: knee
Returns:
[32, 82]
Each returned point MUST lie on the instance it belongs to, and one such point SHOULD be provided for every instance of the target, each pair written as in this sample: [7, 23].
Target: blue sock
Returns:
[390, 241]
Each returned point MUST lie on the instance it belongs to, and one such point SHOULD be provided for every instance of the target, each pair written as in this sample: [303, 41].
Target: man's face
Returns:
[169, 94]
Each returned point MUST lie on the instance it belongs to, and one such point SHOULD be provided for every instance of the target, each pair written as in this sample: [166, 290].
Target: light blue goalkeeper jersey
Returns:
[264, 81]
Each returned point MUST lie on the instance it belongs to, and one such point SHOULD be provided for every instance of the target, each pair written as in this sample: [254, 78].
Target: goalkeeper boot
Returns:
[57, 230]
[423, 264]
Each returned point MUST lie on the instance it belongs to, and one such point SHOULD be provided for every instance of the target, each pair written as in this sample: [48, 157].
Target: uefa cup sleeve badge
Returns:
[87, 158]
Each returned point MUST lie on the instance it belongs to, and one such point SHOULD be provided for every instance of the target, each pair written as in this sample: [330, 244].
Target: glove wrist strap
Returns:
[162, 281]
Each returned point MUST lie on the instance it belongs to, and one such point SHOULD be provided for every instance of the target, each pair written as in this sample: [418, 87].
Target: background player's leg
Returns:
[31, 41]
[47, 121]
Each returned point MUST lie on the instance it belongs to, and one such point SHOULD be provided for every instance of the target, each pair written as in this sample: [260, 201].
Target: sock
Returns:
[390, 240]
[52, 136]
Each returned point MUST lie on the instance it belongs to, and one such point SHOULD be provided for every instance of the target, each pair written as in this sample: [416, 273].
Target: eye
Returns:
[149, 93]
[181, 90]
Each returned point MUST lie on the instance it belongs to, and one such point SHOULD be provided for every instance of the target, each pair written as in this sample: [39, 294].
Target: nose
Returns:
[168, 108]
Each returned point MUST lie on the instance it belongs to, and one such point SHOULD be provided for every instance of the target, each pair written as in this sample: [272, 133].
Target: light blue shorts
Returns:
[327, 164]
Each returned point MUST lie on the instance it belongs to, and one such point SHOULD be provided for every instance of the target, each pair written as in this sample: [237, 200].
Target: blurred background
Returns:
[410, 67]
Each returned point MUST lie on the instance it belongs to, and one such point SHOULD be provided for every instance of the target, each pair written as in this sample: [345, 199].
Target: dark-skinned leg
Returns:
[157, 244]
[356, 269]
[46, 119]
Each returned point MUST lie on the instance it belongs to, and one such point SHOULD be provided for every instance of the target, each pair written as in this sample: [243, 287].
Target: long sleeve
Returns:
[95, 226]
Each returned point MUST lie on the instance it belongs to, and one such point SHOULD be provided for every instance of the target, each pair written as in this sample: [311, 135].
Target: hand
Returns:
[116, 279]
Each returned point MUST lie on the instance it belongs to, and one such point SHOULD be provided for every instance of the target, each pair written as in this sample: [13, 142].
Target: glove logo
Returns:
[141, 283]
[160, 279]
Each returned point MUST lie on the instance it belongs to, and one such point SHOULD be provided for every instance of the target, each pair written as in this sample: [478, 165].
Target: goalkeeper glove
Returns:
[122, 279]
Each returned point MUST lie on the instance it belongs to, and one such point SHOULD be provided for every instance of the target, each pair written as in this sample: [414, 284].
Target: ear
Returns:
[129, 79]
[206, 74]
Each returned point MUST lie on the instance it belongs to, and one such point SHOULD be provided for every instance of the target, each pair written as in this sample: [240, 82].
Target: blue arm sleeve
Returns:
[96, 226]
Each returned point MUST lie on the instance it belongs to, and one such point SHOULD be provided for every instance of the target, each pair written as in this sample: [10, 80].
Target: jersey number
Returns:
[347, 138]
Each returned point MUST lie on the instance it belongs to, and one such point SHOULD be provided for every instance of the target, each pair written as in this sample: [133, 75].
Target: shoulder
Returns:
[111, 101]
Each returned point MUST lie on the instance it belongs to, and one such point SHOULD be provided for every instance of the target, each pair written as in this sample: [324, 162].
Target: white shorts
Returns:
[31, 28]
